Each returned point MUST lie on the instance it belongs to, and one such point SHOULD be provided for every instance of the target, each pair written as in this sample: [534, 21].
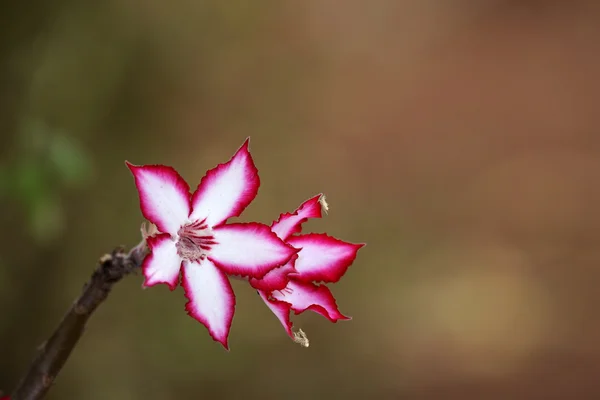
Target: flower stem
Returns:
[53, 354]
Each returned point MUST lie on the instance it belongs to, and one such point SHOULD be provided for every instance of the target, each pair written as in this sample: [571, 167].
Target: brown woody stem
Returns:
[53, 354]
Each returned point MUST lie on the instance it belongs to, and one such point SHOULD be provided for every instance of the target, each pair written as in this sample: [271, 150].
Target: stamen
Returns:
[195, 241]
[286, 290]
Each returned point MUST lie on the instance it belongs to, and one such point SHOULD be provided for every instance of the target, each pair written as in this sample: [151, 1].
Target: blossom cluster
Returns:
[193, 245]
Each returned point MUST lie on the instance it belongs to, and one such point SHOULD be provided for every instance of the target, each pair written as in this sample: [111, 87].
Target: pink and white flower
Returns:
[193, 239]
[321, 258]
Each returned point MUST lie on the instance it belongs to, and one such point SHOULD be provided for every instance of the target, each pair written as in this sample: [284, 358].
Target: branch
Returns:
[53, 354]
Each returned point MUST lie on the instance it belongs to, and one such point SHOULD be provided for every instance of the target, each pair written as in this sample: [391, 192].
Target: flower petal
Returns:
[226, 190]
[288, 224]
[322, 257]
[250, 249]
[275, 279]
[308, 296]
[211, 298]
[162, 265]
[164, 196]
[281, 311]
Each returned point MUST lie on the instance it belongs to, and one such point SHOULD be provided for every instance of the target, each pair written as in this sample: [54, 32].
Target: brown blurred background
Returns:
[459, 139]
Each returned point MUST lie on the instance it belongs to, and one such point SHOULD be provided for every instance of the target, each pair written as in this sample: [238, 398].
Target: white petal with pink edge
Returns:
[322, 257]
[281, 311]
[226, 190]
[250, 249]
[275, 279]
[162, 265]
[211, 298]
[164, 196]
[308, 296]
[288, 224]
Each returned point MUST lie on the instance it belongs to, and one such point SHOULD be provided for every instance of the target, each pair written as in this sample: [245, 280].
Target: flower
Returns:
[193, 239]
[321, 258]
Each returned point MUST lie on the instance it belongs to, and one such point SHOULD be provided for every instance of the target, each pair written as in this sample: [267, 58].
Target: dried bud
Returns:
[324, 204]
[301, 338]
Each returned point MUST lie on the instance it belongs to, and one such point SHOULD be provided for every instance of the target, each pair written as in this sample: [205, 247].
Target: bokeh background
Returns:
[459, 139]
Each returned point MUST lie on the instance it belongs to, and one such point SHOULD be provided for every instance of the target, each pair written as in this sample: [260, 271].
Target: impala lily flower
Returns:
[321, 258]
[193, 240]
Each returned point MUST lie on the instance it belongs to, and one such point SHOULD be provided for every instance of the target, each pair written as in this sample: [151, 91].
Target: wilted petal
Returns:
[226, 190]
[275, 279]
[248, 249]
[322, 257]
[281, 311]
[308, 296]
[162, 265]
[288, 224]
[211, 298]
[164, 196]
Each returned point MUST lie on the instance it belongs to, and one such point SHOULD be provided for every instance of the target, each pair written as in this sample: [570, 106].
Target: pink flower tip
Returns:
[322, 257]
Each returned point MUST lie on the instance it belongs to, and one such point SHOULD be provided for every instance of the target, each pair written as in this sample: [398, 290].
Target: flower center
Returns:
[195, 241]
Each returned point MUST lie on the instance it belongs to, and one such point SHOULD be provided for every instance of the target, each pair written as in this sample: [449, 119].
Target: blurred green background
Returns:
[459, 139]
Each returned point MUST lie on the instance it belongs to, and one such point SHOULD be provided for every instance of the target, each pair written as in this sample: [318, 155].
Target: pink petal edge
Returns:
[249, 249]
[322, 257]
[281, 311]
[164, 196]
[276, 279]
[308, 296]
[162, 264]
[209, 294]
[226, 190]
[290, 223]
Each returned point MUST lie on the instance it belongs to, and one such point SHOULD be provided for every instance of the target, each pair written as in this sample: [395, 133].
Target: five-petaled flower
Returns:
[321, 258]
[193, 239]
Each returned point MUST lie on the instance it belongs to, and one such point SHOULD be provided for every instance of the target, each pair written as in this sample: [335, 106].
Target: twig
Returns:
[53, 354]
